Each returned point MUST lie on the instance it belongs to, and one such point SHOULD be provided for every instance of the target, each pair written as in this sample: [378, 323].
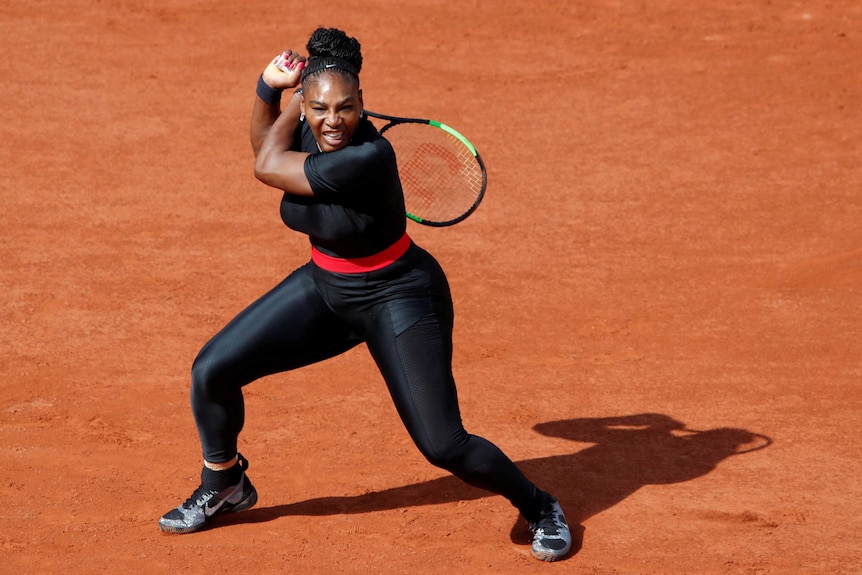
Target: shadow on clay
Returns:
[627, 452]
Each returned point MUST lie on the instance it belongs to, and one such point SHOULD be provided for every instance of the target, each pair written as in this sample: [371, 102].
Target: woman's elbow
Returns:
[283, 173]
[262, 170]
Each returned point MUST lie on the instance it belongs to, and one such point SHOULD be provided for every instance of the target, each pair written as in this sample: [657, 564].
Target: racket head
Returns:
[442, 174]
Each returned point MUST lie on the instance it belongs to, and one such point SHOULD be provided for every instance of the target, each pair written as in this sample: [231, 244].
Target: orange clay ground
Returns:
[658, 304]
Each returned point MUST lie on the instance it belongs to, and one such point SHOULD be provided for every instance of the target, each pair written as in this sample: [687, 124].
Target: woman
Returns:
[366, 282]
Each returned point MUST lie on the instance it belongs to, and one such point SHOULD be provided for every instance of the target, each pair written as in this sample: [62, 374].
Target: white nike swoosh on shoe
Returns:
[235, 493]
[210, 510]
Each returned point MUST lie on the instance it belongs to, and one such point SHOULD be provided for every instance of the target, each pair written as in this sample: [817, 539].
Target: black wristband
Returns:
[269, 95]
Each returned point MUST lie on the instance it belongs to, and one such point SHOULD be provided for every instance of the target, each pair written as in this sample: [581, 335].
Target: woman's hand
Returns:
[285, 70]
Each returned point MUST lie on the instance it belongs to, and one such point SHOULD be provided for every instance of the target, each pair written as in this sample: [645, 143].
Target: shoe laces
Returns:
[550, 523]
[199, 497]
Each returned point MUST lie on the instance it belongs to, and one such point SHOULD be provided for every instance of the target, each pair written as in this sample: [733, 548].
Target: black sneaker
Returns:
[204, 504]
[552, 539]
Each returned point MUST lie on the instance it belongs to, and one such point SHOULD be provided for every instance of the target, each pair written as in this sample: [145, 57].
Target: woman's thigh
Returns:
[288, 327]
[417, 367]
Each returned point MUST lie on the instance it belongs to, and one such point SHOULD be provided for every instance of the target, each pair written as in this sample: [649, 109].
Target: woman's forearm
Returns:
[275, 163]
[275, 133]
[267, 107]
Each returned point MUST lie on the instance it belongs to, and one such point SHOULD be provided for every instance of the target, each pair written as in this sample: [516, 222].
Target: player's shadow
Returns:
[627, 452]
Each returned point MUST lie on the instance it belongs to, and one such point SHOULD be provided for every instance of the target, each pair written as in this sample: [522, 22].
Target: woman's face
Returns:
[332, 104]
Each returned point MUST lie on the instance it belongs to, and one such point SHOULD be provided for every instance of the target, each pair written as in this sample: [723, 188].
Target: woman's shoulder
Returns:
[366, 132]
[372, 145]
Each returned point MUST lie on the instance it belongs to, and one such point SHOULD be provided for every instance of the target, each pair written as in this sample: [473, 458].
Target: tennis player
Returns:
[367, 282]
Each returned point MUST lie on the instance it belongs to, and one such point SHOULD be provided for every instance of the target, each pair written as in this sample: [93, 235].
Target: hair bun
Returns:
[334, 43]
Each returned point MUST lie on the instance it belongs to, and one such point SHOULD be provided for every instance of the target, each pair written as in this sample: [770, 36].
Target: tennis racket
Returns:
[441, 172]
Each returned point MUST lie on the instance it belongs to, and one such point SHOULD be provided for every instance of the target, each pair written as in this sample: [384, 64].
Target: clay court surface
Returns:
[658, 305]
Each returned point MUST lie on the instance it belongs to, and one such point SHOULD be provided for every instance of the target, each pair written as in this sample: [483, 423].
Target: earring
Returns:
[361, 114]
[302, 116]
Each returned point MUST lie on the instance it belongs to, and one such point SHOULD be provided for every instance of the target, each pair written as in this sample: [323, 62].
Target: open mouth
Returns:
[333, 138]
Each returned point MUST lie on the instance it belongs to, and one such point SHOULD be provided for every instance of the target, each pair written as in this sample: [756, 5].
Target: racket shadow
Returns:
[627, 453]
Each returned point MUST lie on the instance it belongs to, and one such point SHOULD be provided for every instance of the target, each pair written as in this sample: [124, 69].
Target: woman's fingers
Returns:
[289, 61]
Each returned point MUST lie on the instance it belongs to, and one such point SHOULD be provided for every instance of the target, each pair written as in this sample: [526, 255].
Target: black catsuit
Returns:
[403, 313]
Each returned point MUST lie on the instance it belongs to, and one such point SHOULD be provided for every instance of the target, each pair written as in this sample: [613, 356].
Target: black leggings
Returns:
[404, 315]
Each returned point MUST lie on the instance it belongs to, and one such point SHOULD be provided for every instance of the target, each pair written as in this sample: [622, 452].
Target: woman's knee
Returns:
[446, 454]
[207, 380]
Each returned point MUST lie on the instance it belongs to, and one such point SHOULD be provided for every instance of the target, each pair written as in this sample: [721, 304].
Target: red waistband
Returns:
[360, 265]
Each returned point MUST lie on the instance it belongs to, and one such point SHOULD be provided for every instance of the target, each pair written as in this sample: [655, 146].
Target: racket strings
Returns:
[440, 175]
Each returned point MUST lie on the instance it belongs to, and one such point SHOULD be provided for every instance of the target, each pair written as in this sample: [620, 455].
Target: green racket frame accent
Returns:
[395, 120]
[456, 134]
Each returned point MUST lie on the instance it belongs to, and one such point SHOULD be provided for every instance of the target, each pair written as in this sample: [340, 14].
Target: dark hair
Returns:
[331, 49]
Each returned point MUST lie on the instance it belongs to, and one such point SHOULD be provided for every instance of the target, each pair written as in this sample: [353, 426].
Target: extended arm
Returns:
[272, 130]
